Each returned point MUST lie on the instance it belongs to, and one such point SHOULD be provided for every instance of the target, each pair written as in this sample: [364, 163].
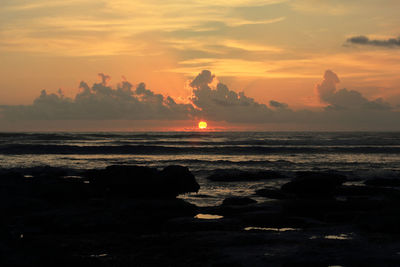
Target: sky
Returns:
[164, 65]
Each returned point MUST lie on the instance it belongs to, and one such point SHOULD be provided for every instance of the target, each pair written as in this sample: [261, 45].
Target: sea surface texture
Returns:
[355, 154]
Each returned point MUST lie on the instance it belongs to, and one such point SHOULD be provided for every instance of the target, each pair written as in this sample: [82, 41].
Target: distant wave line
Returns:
[19, 149]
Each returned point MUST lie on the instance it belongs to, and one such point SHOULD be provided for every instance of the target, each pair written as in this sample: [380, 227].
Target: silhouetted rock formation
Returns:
[383, 182]
[369, 191]
[238, 201]
[137, 181]
[238, 175]
[273, 193]
[44, 211]
[314, 184]
[129, 216]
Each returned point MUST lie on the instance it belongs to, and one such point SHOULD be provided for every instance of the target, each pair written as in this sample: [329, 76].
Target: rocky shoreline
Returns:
[131, 216]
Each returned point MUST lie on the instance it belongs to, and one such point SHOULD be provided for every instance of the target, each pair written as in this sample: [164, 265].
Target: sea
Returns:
[358, 155]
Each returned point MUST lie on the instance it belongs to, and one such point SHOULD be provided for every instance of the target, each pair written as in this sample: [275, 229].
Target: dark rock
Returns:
[367, 191]
[11, 178]
[238, 201]
[11, 183]
[314, 184]
[178, 179]
[273, 193]
[238, 175]
[383, 182]
[309, 207]
[48, 171]
[137, 181]
[273, 219]
[63, 190]
[235, 211]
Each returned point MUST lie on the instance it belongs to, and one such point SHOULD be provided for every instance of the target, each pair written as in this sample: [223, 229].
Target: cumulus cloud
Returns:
[224, 104]
[102, 102]
[364, 40]
[278, 105]
[343, 98]
[345, 109]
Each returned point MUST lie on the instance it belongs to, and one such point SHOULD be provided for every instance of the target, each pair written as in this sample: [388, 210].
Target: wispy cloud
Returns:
[241, 22]
[363, 65]
[247, 46]
[39, 4]
[108, 27]
[326, 7]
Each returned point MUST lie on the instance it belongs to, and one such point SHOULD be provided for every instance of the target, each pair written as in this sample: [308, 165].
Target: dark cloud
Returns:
[364, 40]
[343, 98]
[102, 102]
[202, 80]
[278, 105]
[223, 104]
[346, 109]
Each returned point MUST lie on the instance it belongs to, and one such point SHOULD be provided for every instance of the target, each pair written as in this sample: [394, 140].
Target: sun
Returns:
[202, 125]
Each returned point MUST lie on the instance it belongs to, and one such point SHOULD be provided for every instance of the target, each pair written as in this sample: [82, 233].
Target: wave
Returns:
[97, 135]
[18, 149]
[205, 139]
[218, 162]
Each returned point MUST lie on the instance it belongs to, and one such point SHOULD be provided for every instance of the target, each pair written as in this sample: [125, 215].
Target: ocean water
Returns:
[359, 155]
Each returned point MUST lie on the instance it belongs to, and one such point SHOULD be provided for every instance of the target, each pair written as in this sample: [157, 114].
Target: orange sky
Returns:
[270, 49]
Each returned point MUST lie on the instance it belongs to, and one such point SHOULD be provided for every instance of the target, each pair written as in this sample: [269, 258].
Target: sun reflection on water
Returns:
[203, 216]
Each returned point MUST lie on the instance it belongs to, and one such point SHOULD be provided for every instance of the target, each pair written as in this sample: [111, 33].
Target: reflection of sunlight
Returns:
[99, 255]
[338, 237]
[208, 216]
[334, 237]
[271, 229]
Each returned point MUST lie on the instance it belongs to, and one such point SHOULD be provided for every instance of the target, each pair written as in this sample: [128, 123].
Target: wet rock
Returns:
[11, 183]
[368, 191]
[137, 181]
[48, 171]
[234, 211]
[11, 178]
[63, 190]
[314, 184]
[238, 201]
[273, 193]
[383, 182]
[312, 208]
[194, 225]
[238, 175]
[387, 223]
[274, 219]
[179, 180]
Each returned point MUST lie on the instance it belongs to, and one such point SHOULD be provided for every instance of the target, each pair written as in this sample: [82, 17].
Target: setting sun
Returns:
[202, 125]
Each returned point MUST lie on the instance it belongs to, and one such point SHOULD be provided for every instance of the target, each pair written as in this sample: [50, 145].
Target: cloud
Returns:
[343, 98]
[251, 47]
[364, 40]
[278, 105]
[102, 102]
[223, 104]
[345, 109]
[111, 27]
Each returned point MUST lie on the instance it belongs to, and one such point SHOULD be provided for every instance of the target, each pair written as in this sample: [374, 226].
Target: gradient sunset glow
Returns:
[266, 61]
